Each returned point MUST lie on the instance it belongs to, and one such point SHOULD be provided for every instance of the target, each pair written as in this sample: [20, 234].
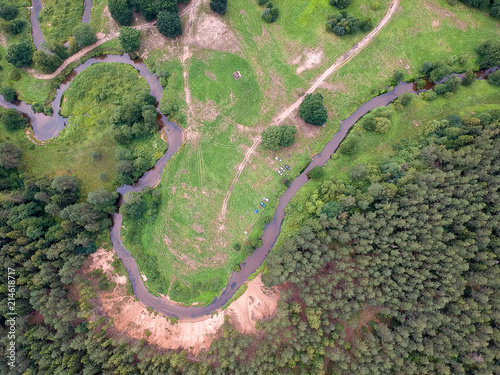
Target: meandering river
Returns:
[46, 127]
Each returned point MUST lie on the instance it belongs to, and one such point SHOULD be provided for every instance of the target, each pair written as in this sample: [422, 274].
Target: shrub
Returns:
[120, 12]
[20, 55]
[270, 15]
[316, 173]
[262, 2]
[8, 12]
[405, 98]
[275, 136]
[9, 94]
[15, 75]
[397, 77]
[342, 24]
[312, 110]
[17, 26]
[169, 24]
[130, 39]
[96, 155]
[218, 6]
[494, 78]
[84, 35]
[341, 4]
[428, 95]
[350, 146]
[46, 62]
[469, 78]
[13, 120]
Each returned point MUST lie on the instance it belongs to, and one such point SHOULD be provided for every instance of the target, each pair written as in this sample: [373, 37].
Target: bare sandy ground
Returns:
[195, 335]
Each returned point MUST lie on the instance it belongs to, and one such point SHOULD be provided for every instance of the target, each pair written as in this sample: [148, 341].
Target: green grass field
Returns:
[88, 129]
[58, 18]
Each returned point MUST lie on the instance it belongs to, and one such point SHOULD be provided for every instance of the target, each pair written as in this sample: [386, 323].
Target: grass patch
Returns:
[58, 18]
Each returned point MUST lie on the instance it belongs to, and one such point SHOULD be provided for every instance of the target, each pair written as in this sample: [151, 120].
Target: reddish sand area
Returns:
[130, 316]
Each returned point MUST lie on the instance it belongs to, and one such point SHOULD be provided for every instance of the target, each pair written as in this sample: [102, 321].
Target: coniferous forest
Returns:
[396, 274]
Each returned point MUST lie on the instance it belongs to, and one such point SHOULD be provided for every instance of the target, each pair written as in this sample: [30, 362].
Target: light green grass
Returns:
[89, 129]
[58, 18]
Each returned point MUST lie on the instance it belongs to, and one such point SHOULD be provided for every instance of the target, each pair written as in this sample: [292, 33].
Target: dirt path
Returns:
[339, 63]
[101, 39]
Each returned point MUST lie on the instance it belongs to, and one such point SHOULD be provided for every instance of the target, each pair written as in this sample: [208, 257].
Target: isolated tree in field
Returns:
[312, 110]
[10, 155]
[342, 24]
[13, 120]
[169, 24]
[9, 94]
[84, 35]
[20, 55]
[316, 173]
[218, 6]
[46, 62]
[130, 39]
[366, 25]
[270, 15]
[276, 136]
[8, 12]
[341, 4]
[494, 78]
[489, 54]
[120, 12]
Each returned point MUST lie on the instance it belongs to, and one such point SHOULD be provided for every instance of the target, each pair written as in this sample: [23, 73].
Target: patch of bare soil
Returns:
[110, 24]
[333, 87]
[435, 24]
[3, 41]
[307, 59]
[131, 317]
[213, 33]
[204, 111]
[102, 259]
[442, 12]
[198, 228]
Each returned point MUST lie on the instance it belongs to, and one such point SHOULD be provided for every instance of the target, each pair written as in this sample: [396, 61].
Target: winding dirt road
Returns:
[339, 63]
[101, 39]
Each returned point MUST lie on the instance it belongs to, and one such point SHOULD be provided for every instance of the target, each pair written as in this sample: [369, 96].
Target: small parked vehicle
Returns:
[282, 169]
[262, 204]
[265, 199]
[276, 158]
[287, 167]
[280, 173]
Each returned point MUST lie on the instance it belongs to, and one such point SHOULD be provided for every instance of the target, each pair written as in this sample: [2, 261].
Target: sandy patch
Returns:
[204, 111]
[193, 335]
[102, 260]
[333, 87]
[212, 33]
[198, 228]
[308, 59]
[435, 25]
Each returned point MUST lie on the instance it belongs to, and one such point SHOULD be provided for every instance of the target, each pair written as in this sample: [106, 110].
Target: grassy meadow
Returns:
[58, 18]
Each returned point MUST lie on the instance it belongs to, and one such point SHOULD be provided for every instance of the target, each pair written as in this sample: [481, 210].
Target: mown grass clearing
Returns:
[89, 129]
[58, 18]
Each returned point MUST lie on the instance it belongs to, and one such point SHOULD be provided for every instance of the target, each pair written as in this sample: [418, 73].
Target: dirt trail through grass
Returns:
[340, 62]
[101, 39]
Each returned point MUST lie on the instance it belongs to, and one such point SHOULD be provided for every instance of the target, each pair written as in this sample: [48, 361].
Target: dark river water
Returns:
[46, 127]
